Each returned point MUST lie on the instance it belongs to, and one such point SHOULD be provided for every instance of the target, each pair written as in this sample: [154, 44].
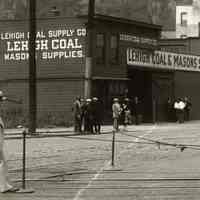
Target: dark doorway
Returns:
[106, 90]
[140, 86]
[151, 87]
[162, 89]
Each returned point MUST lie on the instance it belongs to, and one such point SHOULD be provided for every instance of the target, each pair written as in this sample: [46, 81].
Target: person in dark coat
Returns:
[187, 109]
[179, 106]
[88, 117]
[83, 103]
[126, 113]
[96, 112]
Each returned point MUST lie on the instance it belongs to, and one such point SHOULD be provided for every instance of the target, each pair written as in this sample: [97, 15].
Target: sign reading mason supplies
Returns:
[162, 60]
[50, 44]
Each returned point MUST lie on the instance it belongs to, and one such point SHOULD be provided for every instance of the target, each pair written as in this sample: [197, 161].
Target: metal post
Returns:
[113, 149]
[32, 67]
[24, 189]
[24, 161]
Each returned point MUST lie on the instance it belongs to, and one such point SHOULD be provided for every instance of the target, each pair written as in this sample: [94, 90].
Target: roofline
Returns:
[124, 21]
[179, 39]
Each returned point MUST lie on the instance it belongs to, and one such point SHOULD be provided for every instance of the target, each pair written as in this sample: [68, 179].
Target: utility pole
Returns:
[32, 68]
[89, 56]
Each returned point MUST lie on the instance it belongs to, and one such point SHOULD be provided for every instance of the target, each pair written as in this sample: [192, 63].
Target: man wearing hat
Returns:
[4, 182]
[116, 110]
[96, 113]
[77, 115]
[88, 116]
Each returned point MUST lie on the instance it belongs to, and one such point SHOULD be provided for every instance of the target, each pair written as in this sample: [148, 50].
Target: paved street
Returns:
[78, 167]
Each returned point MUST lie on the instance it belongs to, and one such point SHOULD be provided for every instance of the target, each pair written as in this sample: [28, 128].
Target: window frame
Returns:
[184, 22]
[100, 59]
[114, 59]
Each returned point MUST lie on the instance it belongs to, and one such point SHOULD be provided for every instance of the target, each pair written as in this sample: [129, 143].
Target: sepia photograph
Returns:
[99, 99]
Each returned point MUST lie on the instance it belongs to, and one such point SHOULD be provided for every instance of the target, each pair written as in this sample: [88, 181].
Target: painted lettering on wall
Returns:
[138, 39]
[163, 60]
[50, 44]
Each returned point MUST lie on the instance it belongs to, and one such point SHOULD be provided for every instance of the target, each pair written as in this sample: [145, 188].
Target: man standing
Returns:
[96, 112]
[179, 106]
[88, 116]
[126, 113]
[116, 110]
[4, 182]
[77, 115]
[188, 106]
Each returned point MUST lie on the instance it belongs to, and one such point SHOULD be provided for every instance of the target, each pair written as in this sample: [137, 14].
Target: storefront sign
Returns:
[162, 60]
[50, 44]
[137, 39]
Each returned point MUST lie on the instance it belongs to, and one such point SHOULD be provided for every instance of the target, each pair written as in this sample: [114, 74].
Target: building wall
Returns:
[192, 18]
[174, 45]
[119, 69]
[111, 79]
[186, 83]
[194, 45]
[59, 78]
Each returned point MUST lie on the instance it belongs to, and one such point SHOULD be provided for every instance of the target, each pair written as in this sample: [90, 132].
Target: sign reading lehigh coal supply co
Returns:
[162, 60]
[50, 44]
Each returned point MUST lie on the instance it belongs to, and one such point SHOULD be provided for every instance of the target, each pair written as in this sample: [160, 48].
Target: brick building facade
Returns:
[66, 69]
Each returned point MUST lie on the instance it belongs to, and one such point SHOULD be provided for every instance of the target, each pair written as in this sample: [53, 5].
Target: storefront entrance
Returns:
[162, 89]
[153, 89]
[106, 90]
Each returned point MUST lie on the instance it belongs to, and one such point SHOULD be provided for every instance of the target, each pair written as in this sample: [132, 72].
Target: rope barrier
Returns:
[104, 140]
[182, 147]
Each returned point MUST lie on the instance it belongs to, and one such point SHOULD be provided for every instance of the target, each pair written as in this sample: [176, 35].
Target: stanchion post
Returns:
[113, 149]
[24, 161]
[24, 189]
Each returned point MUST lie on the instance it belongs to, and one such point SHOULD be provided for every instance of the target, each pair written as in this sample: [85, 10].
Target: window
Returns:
[100, 48]
[114, 45]
[183, 18]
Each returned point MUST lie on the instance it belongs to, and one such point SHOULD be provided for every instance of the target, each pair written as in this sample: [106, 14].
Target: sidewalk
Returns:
[16, 133]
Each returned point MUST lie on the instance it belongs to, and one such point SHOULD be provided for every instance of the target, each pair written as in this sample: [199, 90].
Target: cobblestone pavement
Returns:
[78, 167]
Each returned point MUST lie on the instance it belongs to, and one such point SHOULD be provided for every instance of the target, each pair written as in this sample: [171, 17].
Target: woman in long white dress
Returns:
[5, 186]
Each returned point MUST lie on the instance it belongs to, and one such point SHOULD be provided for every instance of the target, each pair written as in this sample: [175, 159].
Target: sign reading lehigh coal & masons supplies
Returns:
[50, 44]
[163, 60]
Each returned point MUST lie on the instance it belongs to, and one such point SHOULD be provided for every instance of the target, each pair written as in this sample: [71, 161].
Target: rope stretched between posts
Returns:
[159, 143]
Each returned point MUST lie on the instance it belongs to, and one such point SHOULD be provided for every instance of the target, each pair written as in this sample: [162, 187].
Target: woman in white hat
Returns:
[4, 182]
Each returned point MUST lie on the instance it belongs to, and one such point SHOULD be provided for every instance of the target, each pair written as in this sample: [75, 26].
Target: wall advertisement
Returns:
[51, 44]
[162, 60]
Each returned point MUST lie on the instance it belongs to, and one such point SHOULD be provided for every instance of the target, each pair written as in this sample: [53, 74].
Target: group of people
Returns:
[87, 115]
[123, 112]
[179, 110]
